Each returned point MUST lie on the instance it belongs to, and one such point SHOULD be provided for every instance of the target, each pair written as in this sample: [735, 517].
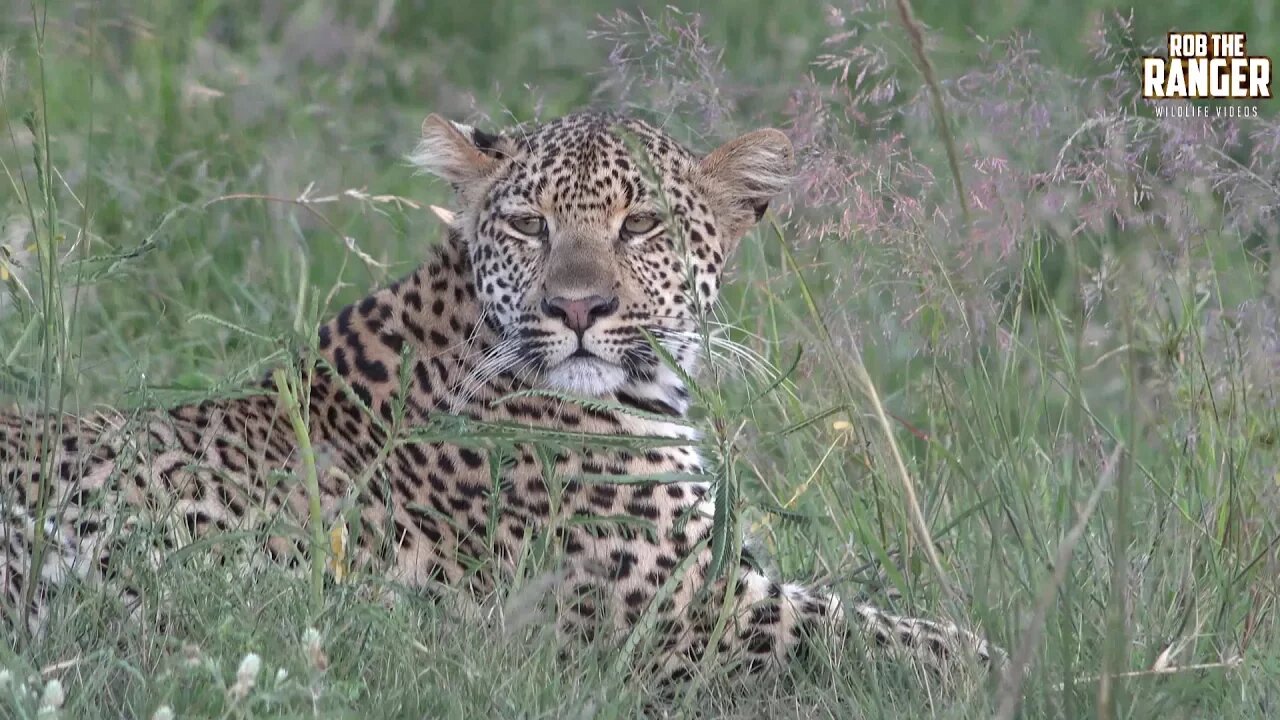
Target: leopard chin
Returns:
[586, 376]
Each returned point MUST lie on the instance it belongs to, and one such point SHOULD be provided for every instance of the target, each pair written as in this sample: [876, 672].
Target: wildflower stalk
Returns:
[1114, 655]
[51, 311]
[310, 478]
[916, 35]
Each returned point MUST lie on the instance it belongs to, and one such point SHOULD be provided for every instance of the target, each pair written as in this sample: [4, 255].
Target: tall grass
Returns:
[1063, 407]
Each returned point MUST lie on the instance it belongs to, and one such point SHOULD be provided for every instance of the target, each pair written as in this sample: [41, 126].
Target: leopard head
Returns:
[596, 236]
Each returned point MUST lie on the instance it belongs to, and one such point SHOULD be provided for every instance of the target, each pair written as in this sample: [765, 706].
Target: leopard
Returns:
[580, 257]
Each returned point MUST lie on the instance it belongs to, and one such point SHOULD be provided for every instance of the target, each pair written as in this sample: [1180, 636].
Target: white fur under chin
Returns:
[586, 376]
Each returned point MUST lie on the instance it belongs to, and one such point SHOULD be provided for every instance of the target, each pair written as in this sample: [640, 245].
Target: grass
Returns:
[1079, 382]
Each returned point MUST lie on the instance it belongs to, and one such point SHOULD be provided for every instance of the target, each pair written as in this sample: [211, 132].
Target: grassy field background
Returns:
[1078, 354]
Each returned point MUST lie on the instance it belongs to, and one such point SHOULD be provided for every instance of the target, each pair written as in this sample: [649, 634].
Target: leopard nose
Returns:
[580, 313]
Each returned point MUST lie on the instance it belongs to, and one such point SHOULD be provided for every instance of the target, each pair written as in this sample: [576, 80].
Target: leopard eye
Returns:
[636, 225]
[531, 225]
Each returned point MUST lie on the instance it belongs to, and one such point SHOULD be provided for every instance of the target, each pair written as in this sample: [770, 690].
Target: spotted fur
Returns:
[574, 248]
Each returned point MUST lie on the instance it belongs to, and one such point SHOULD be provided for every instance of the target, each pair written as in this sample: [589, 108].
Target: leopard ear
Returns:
[746, 173]
[455, 152]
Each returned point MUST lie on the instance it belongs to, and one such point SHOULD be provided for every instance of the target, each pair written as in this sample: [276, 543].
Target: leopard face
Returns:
[594, 237]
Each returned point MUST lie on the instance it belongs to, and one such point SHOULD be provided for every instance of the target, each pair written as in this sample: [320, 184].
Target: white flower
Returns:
[51, 700]
[311, 637]
[312, 645]
[249, 667]
[246, 676]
